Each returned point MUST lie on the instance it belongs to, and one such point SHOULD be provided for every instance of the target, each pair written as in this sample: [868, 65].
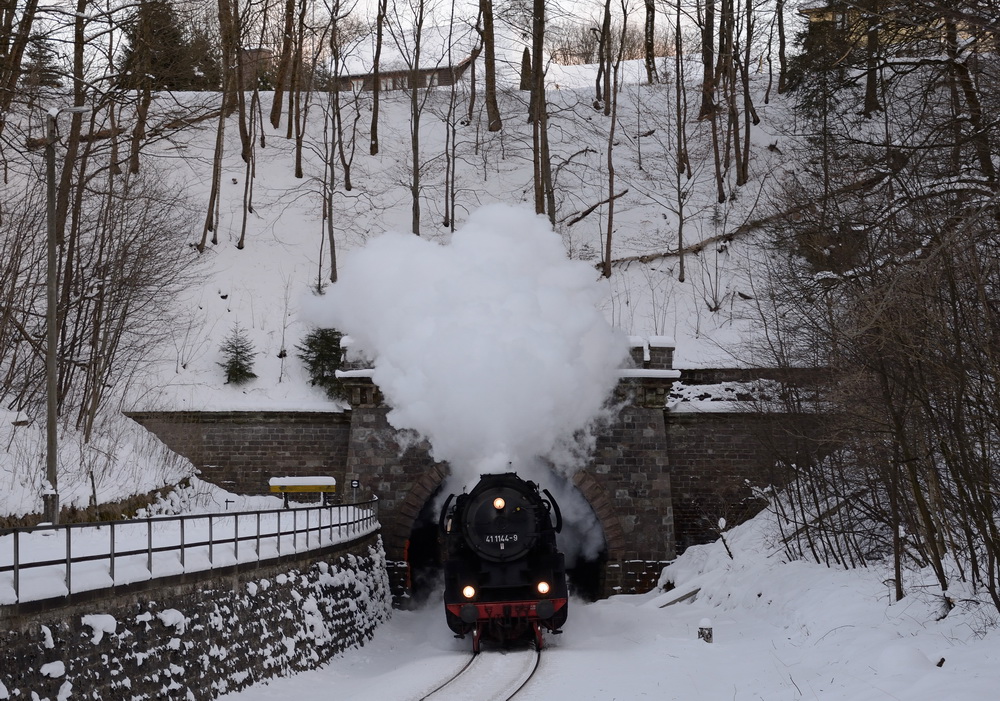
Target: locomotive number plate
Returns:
[503, 538]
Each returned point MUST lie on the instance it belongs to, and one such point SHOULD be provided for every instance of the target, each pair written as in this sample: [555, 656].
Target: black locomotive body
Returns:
[505, 579]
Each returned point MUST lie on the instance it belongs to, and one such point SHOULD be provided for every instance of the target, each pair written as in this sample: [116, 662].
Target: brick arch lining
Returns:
[409, 510]
[598, 499]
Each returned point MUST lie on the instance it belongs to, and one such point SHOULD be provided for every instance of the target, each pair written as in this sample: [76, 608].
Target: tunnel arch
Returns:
[597, 496]
[413, 535]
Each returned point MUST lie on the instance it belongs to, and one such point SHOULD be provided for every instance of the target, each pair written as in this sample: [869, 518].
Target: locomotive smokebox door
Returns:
[500, 524]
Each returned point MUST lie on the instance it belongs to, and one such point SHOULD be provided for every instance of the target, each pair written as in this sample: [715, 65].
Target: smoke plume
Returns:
[491, 346]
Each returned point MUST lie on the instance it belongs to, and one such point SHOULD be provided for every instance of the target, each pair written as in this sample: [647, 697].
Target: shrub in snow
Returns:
[238, 352]
[322, 354]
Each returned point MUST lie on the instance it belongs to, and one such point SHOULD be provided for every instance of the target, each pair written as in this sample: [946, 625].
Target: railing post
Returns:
[17, 565]
[211, 543]
[308, 514]
[236, 537]
[111, 555]
[257, 546]
[69, 561]
[149, 547]
[278, 533]
[295, 530]
[183, 565]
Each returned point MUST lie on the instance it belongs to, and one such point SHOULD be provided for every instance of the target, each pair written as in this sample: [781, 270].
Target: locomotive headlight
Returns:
[499, 503]
[468, 592]
[543, 588]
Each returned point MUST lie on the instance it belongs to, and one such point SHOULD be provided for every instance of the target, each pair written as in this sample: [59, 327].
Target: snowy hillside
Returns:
[263, 287]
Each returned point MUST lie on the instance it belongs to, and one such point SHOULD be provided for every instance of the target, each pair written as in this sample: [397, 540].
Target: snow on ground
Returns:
[782, 630]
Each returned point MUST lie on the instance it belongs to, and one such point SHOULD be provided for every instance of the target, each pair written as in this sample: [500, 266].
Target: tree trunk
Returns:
[213, 193]
[527, 83]
[418, 27]
[284, 64]
[490, 78]
[708, 62]
[472, 82]
[980, 136]
[538, 101]
[649, 42]
[872, 103]
[680, 112]
[376, 76]
[611, 161]
[782, 48]
[139, 130]
[10, 64]
[604, 91]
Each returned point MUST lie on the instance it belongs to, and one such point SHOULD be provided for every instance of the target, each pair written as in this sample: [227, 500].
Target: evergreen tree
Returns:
[163, 54]
[41, 68]
[323, 356]
[206, 62]
[238, 352]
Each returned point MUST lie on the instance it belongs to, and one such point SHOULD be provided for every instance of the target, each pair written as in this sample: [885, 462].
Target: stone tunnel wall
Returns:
[241, 451]
[720, 459]
[659, 481]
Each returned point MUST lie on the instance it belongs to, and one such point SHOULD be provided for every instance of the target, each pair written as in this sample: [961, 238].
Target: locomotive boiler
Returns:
[505, 579]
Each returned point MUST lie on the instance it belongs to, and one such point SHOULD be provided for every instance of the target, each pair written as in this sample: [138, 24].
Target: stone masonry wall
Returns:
[241, 451]
[198, 639]
[631, 466]
[717, 458]
[402, 474]
[660, 479]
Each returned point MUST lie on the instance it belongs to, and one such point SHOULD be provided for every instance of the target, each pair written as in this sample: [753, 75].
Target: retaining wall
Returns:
[196, 636]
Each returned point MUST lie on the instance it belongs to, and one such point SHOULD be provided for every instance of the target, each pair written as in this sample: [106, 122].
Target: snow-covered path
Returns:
[629, 648]
[782, 631]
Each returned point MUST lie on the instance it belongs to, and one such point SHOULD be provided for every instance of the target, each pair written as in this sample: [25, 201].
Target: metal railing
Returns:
[47, 561]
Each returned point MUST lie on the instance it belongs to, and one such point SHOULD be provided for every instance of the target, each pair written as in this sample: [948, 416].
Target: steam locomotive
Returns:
[505, 579]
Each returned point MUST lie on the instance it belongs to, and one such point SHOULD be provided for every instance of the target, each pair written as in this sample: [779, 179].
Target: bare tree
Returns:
[538, 115]
[489, 45]
[613, 106]
[283, 74]
[380, 20]
[407, 25]
[649, 42]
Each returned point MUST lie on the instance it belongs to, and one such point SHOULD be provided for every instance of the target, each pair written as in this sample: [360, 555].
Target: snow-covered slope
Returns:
[263, 287]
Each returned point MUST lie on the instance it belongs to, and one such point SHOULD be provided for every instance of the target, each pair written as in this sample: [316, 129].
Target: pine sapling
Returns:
[322, 355]
[238, 353]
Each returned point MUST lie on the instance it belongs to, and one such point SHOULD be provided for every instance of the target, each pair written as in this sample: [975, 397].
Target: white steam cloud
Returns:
[490, 346]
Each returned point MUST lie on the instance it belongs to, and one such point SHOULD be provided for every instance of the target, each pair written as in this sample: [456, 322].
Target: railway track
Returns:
[489, 676]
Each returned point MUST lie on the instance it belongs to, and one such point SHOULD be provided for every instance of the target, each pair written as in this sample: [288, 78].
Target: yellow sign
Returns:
[303, 488]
